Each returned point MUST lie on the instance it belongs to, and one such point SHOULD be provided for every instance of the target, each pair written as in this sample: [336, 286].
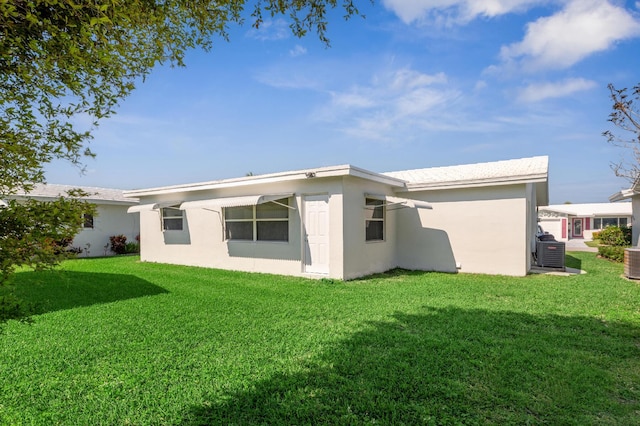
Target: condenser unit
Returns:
[632, 263]
[550, 254]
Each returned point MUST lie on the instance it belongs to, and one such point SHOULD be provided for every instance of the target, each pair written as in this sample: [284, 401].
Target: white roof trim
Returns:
[589, 209]
[321, 172]
[623, 195]
[247, 200]
[400, 202]
[150, 207]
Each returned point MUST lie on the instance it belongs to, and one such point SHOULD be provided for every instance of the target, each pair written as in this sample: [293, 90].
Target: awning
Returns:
[149, 207]
[248, 200]
[398, 203]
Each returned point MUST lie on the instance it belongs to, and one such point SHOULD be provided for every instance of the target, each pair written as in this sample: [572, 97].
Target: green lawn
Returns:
[122, 342]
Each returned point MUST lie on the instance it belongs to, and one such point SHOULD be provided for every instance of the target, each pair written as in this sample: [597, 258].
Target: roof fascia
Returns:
[130, 202]
[624, 194]
[321, 172]
[537, 178]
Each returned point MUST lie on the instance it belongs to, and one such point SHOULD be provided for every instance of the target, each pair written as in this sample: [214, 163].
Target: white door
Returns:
[316, 234]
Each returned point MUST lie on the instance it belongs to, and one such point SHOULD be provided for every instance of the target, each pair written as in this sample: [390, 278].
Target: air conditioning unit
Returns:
[550, 254]
[632, 263]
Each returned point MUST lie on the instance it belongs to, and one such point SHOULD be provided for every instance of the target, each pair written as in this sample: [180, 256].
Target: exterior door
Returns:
[577, 228]
[316, 234]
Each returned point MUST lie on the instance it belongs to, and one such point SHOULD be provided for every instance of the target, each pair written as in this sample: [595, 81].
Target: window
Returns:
[264, 222]
[171, 219]
[87, 221]
[603, 222]
[374, 220]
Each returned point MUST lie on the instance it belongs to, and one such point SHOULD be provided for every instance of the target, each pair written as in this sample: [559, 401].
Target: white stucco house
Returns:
[345, 222]
[633, 194]
[580, 221]
[111, 216]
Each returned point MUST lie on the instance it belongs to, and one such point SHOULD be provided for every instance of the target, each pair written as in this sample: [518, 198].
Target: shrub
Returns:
[118, 244]
[615, 253]
[132, 248]
[74, 250]
[616, 236]
[595, 235]
[62, 245]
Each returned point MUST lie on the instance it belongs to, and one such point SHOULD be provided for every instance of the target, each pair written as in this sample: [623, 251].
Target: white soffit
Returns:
[247, 200]
[400, 202]
[150, 207]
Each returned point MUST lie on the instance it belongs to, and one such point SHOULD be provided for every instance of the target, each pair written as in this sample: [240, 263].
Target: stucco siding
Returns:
[202, 243]
[480, 230]
[366, 257]
[109, 220]
[554, 225]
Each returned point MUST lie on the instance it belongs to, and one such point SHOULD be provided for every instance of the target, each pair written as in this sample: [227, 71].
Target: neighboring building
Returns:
[632, 194]
[111, 216]
[345, 222]
[580, 221]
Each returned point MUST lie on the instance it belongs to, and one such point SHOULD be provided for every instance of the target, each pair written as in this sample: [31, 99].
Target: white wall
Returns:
[553, 225]
[363, 257]
[476, 230]
[201, 242]
[109, 220]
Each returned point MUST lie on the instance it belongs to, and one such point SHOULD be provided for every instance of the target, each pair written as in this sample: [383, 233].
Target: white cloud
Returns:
[270, 30]
[541, 91]
[394, 103]
[455, 11]
[297, 51]
[288, 78]
[584, 27]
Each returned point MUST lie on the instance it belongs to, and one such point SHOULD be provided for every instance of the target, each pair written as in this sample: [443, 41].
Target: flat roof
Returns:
[319, 172]
[532, 169]
[590, 209]
[96, 195]
[524, 170]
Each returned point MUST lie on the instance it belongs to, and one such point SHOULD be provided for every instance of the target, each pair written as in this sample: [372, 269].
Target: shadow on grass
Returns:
[453, 366]
[572, 262]
[392, 273]
[48, 291]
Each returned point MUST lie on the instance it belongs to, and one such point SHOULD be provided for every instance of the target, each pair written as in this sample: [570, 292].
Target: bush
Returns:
[62, 245]
[118, 244]
[595, 235]
[616, 236]
[132, 248]
[615, 253]
[75, 250]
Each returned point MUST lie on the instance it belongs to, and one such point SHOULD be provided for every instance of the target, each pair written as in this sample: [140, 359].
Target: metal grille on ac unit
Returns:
[550, 254]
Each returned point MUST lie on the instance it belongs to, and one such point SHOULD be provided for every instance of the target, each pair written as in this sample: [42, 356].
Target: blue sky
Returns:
[415, 84]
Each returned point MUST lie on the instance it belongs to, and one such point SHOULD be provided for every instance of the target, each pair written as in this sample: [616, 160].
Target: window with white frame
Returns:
[374, 220]
[603, 222]
[264, 222]
[87, 221]
[172, 218]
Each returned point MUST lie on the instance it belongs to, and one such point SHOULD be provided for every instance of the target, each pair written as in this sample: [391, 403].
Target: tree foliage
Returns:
[66, 64]
[36, 234]
[626, 116]
[61, 60]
